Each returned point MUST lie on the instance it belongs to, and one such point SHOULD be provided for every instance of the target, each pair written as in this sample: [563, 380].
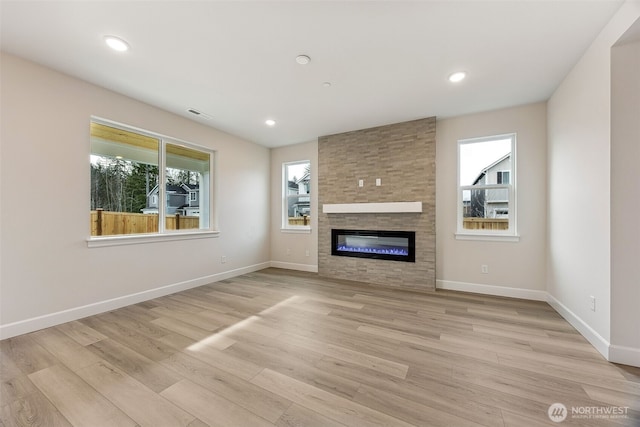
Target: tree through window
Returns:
[126, 170]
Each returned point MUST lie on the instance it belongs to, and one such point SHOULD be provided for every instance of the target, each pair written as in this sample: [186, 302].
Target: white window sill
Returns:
[99, 242]
[488, 237]
[301, 230]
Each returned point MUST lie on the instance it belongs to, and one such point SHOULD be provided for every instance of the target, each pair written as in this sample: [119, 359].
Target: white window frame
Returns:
[163, 234]
[286, 227]
[511, 234]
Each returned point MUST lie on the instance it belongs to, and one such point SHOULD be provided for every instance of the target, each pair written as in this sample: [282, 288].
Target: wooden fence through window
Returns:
[300, 220]
[105, 223]
[485, 223]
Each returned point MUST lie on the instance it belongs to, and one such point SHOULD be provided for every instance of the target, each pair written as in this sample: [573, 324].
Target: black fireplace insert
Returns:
[383, 244]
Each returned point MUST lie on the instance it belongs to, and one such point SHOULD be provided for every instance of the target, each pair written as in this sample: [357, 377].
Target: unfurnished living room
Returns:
[320, 213]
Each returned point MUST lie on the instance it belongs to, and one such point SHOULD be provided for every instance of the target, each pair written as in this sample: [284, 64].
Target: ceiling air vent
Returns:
[199, 113]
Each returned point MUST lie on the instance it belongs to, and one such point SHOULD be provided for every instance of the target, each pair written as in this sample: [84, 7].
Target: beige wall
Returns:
[47, 268]
[625, 197]
[515, 268]
[579, 195]
[289, 250]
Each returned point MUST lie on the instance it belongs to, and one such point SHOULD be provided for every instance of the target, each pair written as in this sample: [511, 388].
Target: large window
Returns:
[296, 195]
[486, 186]
[143, 183]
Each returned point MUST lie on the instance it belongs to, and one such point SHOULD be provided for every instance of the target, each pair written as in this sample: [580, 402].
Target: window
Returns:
[296, 195]
[133, 171]
[486, 187]
[502, 177]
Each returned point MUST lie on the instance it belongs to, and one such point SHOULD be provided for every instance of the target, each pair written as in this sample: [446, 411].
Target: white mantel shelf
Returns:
[355, 208]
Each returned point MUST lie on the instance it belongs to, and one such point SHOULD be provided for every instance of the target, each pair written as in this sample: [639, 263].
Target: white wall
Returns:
[515, 268]
[625, 201]
[281, 240]
[579, 169]
[46, 265]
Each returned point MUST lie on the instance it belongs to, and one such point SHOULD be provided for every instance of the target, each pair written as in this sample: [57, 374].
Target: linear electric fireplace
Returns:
[389, 245]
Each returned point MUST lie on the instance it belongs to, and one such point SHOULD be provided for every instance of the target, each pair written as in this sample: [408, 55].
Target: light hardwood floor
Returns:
[286, 348]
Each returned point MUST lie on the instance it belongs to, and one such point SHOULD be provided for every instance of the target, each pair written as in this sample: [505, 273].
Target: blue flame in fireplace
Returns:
[374, 250]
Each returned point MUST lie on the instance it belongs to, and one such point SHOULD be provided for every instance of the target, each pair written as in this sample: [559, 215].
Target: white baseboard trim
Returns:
[624, 355]
[501, 291]
[596, 340]
[294, 266]
[34, 324]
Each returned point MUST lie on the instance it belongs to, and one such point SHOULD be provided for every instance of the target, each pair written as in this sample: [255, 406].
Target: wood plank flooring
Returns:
[283, 348]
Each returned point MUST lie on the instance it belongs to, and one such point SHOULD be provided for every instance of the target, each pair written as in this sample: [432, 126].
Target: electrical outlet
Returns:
[378, 182]
[484, 269]
[361, 183]
[223, 259]
[288, 251]
[593, 302]
[306, 252]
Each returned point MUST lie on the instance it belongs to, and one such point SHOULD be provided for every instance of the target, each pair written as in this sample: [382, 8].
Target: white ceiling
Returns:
[387, 61]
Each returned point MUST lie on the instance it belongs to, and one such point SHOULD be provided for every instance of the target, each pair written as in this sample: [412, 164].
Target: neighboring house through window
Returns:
[486, 186]
[181, 199]
[296, 195]
[127, 167]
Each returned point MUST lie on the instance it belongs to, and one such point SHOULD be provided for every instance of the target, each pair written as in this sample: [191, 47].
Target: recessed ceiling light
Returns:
[457, 76]
[116, 43]
[303, 59]
[270, 122]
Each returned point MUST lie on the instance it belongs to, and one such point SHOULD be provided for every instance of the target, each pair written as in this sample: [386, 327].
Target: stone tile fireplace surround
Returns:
[402, 156]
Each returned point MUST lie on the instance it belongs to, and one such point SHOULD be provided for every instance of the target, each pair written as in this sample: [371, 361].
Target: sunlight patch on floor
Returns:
[222, 337]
